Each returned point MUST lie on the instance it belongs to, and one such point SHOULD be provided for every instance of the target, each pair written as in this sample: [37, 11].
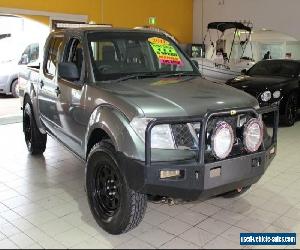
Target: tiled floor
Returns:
[43, 204]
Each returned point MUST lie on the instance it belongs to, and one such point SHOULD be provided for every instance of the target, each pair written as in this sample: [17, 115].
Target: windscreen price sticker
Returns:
[165, 52]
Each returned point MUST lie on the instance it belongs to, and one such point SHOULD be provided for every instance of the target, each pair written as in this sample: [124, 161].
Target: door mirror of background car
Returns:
[244, 72]
[24, 59]
[196, 63]
[68, 71]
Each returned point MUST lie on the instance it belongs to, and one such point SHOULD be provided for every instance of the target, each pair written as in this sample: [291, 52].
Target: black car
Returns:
[273, 81]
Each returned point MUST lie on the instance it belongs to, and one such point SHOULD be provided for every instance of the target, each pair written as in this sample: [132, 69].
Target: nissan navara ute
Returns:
[135, 109]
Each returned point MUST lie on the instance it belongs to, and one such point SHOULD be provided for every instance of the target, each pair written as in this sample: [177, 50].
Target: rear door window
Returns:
[74, 54]
[52, 57]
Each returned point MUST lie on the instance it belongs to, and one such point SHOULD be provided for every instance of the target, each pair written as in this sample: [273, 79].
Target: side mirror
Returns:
[196, 63]
[244, 72]
[24, 59]
[68, 71]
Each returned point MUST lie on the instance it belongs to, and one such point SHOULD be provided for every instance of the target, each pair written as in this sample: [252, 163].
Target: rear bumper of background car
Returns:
[197, 178]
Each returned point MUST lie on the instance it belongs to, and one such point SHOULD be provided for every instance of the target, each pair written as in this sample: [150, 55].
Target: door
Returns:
[48, 91]
[71, 101]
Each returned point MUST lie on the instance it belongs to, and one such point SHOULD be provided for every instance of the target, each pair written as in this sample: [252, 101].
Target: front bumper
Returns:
[199, 178]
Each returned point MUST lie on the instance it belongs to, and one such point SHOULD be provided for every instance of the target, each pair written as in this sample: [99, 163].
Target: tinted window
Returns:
[74, 54]
[34, 52]
[25, 56]
[275, 68]
[51, 61]
[30, 54]
[118, 54]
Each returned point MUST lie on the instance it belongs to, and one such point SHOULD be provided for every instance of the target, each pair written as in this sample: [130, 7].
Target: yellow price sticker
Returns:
[165, 52]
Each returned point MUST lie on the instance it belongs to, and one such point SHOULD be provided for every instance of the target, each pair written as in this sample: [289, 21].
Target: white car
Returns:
[10, 67]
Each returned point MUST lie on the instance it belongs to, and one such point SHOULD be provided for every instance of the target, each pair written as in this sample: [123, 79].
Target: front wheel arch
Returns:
[117, 127]
[96, 136]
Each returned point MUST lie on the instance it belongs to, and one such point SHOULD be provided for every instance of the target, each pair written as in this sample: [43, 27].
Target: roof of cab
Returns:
[105, 29]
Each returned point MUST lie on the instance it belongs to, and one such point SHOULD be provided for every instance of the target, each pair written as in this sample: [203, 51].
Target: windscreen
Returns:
[275, 68]
[115, 55]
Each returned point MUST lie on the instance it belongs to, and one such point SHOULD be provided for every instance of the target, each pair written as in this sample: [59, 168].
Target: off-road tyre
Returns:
[115, 207]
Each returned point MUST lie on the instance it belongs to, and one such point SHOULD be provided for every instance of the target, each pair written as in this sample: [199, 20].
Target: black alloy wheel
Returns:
[27, 129]
[115, 206]
[106, 186]
[35, 140]
[291, 109]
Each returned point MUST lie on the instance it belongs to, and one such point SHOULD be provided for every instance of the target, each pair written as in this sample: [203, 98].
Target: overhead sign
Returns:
[152, 20]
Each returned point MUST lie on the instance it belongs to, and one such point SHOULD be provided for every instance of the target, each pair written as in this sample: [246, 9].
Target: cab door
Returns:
[71, 100]
[47, 85]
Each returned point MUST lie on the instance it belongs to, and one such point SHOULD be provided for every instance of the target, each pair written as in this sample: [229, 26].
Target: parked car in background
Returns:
[135, 109]
[273, 81]
[10, 68]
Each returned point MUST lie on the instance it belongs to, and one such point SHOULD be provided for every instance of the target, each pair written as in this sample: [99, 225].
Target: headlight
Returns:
[161, 135]
[266, 96]
[222, 140]
[253, 135]
[276, 94]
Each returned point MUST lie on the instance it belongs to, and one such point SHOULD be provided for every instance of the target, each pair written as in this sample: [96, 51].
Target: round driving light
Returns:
[253, 135]
[266, 96]
[276, 94]
[222, 140]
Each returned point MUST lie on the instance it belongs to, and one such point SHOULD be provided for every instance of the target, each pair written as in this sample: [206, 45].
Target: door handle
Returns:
[57, 91]
[42, 84]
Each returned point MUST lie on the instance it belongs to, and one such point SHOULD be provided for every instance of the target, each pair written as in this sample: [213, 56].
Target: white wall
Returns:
[277, 15]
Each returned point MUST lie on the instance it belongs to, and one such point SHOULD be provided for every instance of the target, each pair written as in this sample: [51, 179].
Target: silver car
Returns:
[10, 68]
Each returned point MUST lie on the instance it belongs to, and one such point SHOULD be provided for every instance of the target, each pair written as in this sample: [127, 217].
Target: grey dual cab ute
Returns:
[134, 107]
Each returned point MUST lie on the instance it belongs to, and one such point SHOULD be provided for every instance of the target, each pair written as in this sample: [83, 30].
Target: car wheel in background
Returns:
[35, 140]
[290, 112]
[15, 88]
[115, 207]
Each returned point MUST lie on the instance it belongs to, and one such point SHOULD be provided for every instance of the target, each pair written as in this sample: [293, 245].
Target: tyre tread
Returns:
[137, 201]
[39, 140]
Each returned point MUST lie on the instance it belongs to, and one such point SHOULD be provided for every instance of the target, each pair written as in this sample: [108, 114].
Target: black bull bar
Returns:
[203, 127]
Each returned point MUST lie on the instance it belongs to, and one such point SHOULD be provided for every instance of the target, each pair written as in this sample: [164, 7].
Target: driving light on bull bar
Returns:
[253, 135]
[161, 135]
[222, 140]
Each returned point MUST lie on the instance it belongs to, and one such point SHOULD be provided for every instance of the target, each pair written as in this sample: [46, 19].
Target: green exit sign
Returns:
[152, 20]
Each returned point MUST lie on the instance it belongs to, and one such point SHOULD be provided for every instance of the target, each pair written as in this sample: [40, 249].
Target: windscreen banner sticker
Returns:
[165, 52]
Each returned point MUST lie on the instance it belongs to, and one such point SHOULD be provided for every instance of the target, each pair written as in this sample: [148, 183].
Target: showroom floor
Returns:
[10, 111]
[43, 204]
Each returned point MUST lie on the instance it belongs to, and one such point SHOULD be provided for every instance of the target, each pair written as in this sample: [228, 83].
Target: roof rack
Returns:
[81, 25]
